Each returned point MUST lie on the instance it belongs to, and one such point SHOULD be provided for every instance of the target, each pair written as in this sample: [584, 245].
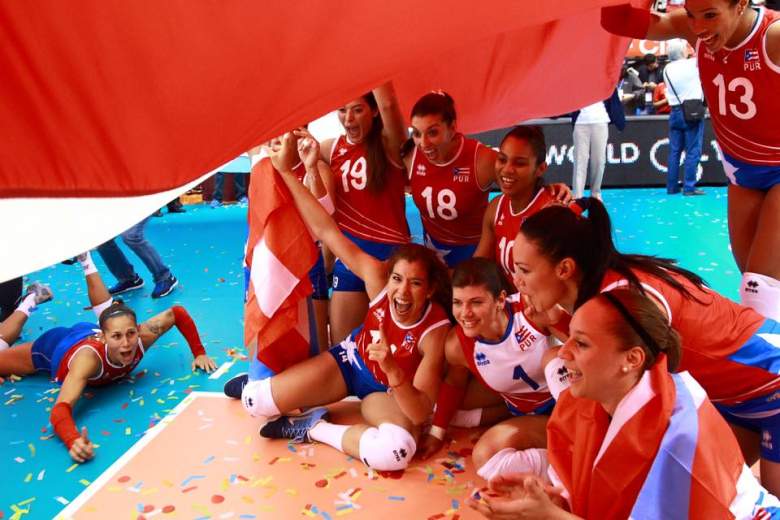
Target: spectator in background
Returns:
[174, 206]
[649, 72]
[660, 103]
[127, 278]
[682, 79]
[239, 169]
[631, 91]
[591, 130]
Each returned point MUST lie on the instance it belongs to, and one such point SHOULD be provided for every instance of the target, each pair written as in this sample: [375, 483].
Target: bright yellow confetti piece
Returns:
[201, 509]
[248, 439]
[291, 492]
[160, 401]
[167, 483]
[84, 482]
[31, 446]
[150, 491]
[128, 431]
[114, 489]
[74, 466]
[25, 502]
[225, 484]
[28, 478]
[247, 499]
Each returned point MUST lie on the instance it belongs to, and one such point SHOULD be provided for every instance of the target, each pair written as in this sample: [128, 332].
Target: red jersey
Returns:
[404, 340]
[109, 372]
[449, 197]
[379, 217]
[741, 86]
[713, 333]
[506, 225]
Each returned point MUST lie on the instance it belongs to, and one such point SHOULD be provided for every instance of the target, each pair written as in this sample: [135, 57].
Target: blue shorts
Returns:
[760, 415]
[544, 409]
[51, 346]
[360, 381]
[751, 176]
[347, 281]
[319, 278]
[451, 255]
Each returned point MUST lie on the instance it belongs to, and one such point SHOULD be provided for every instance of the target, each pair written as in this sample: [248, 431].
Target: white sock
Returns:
[329, 433]
[3, 345]
[510, 460]
[467, 418]
[27, 305]
[762, 293]
[87, 264]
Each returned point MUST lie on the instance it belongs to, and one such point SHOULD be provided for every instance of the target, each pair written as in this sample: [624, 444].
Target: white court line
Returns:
[224, 367]
[118, 464]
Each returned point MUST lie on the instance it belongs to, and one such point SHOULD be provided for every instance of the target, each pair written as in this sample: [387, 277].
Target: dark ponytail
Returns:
[376, 157]
[559, 233]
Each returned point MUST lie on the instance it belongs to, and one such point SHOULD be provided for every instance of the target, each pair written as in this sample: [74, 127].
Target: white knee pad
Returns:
[511, 461]
[387, 448]
[557, 377]
[4, 344]
[762, 293]
[257, 399]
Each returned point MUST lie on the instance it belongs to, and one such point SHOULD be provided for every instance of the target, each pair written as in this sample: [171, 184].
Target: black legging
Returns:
[10, 292]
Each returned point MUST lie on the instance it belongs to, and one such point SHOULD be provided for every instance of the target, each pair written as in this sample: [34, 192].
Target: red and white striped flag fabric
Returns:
[280, 253]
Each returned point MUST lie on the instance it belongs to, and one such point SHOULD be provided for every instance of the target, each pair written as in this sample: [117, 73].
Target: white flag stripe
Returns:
[272, 281]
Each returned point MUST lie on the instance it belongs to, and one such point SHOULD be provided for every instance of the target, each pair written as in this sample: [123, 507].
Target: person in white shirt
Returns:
[682, 83]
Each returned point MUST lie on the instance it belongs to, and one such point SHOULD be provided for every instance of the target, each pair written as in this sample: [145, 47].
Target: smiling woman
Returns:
[89, 355]
[393, 361]
[738, 49]
[626, 428]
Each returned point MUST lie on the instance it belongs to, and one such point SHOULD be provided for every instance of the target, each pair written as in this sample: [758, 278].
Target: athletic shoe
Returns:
[235, 386]
[157, 213]
[295, 428]
[165, 287]
[42, 292]
[177, 209]
[215, 203]
[694, 192]
[127, 285]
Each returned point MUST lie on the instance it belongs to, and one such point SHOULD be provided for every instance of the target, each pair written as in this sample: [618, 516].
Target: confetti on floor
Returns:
[233, 483]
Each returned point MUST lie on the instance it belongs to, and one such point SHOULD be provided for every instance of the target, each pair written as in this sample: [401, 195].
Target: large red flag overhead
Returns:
[106, 98]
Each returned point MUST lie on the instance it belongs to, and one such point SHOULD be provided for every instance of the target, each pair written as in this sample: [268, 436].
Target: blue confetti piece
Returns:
[455, 504]
[325, 515]
[396, 498]
[247, 516]
[209, 459]
[191, 478]
[430, 477]
[140, 508]
[449, 473]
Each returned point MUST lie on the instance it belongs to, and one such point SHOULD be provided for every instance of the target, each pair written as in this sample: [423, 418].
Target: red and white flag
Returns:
[280, 253]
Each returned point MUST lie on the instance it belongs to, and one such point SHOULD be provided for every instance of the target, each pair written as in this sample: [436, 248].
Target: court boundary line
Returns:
[104, 478]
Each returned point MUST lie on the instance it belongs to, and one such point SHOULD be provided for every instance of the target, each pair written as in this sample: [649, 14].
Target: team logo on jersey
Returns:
[482, 359]
[342, 150]
[752, 61]
[379, 314]
[525, 338]
[708, 55]
[408, 341]
[752, 286]
[461, 174]
[421, 170]
[766, 440]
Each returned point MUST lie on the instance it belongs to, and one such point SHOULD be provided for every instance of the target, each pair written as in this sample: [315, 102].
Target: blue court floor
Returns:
[204, 248]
